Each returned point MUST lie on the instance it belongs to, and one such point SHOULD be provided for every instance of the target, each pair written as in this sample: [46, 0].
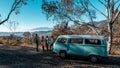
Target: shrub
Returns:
[27, 41]
[1, 42]
[5, 42]
[14, 42]
[10, 42]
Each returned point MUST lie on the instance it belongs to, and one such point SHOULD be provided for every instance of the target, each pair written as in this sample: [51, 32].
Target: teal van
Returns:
[94, 47]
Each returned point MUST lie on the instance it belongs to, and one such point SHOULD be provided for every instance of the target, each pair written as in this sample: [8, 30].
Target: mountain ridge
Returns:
[40, 31]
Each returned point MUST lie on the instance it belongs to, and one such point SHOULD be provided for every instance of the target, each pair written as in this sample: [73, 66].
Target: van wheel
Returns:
[63, 55]
[93, 58]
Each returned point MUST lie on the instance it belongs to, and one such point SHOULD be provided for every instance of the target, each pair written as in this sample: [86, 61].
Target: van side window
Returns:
[62, 40]
[93, 41]
[76, 40]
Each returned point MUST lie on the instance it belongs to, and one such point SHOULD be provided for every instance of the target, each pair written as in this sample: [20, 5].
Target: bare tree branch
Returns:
[102, 3]
[116, 16]
[15, 5]
[111, 9]
[105, 0]
[96, 8]
[114, 12]
[92, 25]
[118, 7]
[107, 11]
[117, 2]
[12, 9]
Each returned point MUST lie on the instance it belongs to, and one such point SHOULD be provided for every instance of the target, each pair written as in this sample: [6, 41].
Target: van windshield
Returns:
[61, 40]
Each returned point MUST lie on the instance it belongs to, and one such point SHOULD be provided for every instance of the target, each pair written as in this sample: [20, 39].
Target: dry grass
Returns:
[115, 49]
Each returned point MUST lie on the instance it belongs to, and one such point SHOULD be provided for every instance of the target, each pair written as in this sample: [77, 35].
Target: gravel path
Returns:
[27, 57]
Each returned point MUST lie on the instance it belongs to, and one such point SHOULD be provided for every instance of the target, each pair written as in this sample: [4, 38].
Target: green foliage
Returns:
[63, 10]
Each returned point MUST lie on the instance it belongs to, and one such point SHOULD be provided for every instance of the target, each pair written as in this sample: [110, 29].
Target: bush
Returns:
[1, 42]
[10, 42]
[27, 41]
[14, 42]
[5, 42]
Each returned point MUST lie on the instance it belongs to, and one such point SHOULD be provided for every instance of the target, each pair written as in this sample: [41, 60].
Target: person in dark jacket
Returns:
[47, 42]
[51, 42]
[37, 42]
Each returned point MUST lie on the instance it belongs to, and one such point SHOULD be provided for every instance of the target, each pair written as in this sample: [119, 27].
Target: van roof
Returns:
[83, 36]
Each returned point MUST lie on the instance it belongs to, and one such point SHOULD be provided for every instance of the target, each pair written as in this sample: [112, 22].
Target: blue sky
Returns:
[31, 15]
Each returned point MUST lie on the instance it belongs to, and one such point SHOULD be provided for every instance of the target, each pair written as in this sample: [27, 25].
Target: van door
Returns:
[76, 46]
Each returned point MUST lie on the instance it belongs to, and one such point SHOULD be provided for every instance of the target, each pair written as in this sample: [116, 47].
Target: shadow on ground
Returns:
[27, 57]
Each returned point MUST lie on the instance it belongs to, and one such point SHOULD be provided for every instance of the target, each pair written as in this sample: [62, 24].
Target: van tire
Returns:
[93, 58]
[63, 54]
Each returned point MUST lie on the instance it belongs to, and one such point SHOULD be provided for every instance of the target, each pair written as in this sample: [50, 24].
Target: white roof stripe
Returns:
[83, 36]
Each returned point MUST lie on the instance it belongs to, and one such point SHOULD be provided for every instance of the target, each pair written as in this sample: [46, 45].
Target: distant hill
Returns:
[101, 23]
[44, 31]
[8, 33]
[41, 31]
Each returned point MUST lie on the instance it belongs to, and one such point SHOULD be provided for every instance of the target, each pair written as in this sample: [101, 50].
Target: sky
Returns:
[31, 15]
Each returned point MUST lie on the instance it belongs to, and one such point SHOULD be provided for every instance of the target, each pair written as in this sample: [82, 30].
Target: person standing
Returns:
[37, 42]
[43, 43]
[51, 42]
[47, 42]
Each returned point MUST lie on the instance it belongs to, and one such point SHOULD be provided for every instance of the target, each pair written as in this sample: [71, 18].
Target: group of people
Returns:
[45, 42]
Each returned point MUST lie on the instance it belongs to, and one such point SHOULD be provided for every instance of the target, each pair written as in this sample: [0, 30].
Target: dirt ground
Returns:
[27, 57]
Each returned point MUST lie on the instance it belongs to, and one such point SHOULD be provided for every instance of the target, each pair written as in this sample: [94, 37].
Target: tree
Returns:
[27, 38]
[12, 26]
[63, 10]
[116, 32]
[60, 29]
[17, 4]
[68, 11]
[27, 35]
[91, 14]
[112, 14]
[112, 7]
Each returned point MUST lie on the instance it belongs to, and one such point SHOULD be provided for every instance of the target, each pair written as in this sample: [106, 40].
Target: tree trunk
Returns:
[109, 37]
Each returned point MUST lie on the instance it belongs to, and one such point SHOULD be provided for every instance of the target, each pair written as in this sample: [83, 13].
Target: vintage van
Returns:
[94, 47]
